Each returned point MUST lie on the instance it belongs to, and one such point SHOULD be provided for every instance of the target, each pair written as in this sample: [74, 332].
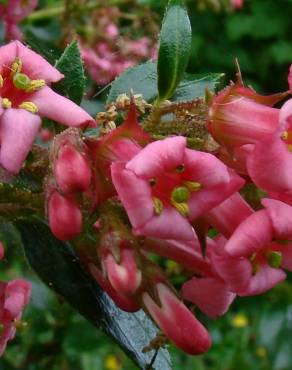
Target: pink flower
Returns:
[260, 243]
[64, 215]
[238, 116]
[25, 97]
[14, 296]
[176, 321]
[118, 259]
[71, 167]
[236, 4]
[166, 186]
[269, 166]
[211, 294]
[13, 12]
[229, 214]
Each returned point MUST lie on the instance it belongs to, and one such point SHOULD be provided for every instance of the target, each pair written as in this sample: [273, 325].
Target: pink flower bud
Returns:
[124, 302]
[65, 217]
[177, 321]
[72, 171]
[125, 277]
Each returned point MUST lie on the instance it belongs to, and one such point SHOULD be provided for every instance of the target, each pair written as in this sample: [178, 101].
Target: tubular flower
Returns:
[166, 186]
[14, 296]
[176, 321]
[25, 97]
[262, 241]
[238, 116]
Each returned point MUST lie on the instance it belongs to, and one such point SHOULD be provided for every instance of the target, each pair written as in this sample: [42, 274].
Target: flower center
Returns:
[173, 188]
[16, 87]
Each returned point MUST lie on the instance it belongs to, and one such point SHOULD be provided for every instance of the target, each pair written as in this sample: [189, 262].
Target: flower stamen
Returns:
[16, 66]
[6, 103]
[35, 85]
[29, 106]
[158, 205]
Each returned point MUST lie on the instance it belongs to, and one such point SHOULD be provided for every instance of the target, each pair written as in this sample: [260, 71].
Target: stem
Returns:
[59, 10]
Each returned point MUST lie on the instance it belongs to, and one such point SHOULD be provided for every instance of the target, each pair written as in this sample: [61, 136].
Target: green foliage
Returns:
[70, 64]
[174, 48]
[142, 79]
[63, 273]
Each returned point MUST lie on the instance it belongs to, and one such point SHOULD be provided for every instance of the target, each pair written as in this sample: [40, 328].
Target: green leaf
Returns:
[70, 64]
[42, 47]
[142, 79]
[57, 265]
[174, 49]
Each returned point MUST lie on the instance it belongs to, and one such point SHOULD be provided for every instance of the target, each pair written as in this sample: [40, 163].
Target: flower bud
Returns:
[124, 302]
[125, 277]
[71, 170]
[65, 217]
[177, 321]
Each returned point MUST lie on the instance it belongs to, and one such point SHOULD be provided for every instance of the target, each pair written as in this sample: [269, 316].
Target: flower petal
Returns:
[252, 235]
[8, 53]
[211, 295]
[60, 109]
[18, 130]
[35, 66]
[135, 194]
[158, 157]
[281, 217]
[168, 225]
[271, 156]
[265, 279]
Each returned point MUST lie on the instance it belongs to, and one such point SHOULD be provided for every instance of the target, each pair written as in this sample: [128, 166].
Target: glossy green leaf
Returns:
[142, 79]
[57, 265]
[174, 48]
[70, 64]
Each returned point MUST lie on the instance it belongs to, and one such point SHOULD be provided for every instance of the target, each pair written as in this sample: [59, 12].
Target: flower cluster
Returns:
[109, 52]
[12, 12]
[136, 196]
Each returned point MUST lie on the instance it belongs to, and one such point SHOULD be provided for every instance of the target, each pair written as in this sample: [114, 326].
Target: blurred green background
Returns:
[257, 332]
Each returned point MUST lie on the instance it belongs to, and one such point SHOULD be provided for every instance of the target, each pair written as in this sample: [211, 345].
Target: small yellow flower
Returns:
[261, 352]
[239, 321]
[112, 363]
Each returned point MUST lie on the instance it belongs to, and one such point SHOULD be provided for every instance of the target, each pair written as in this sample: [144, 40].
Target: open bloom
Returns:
[14, 296]
[25, 97]
[258, 250]
[166, 186]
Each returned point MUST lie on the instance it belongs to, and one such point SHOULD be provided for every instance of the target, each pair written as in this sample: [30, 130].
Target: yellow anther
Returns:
[35, 85]
[158, 205]
[6, 103]
[16, 66]
[284, 135]
[29, 106]
[182, 208]
[192, 185]
[1, 81]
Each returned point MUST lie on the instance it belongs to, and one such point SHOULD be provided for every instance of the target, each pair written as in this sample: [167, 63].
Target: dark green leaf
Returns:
[57, 265]
[42, 47]
[70, 64]
[142, 79]
[174, 49]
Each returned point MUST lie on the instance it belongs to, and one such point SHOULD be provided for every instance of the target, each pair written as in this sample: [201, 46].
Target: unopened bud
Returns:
[125, 277]
[65, 217]
[72, 171]
[177, 322]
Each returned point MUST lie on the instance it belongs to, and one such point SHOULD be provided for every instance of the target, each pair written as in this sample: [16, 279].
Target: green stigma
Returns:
[275, 259]
[180, 194]
[21, 81]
